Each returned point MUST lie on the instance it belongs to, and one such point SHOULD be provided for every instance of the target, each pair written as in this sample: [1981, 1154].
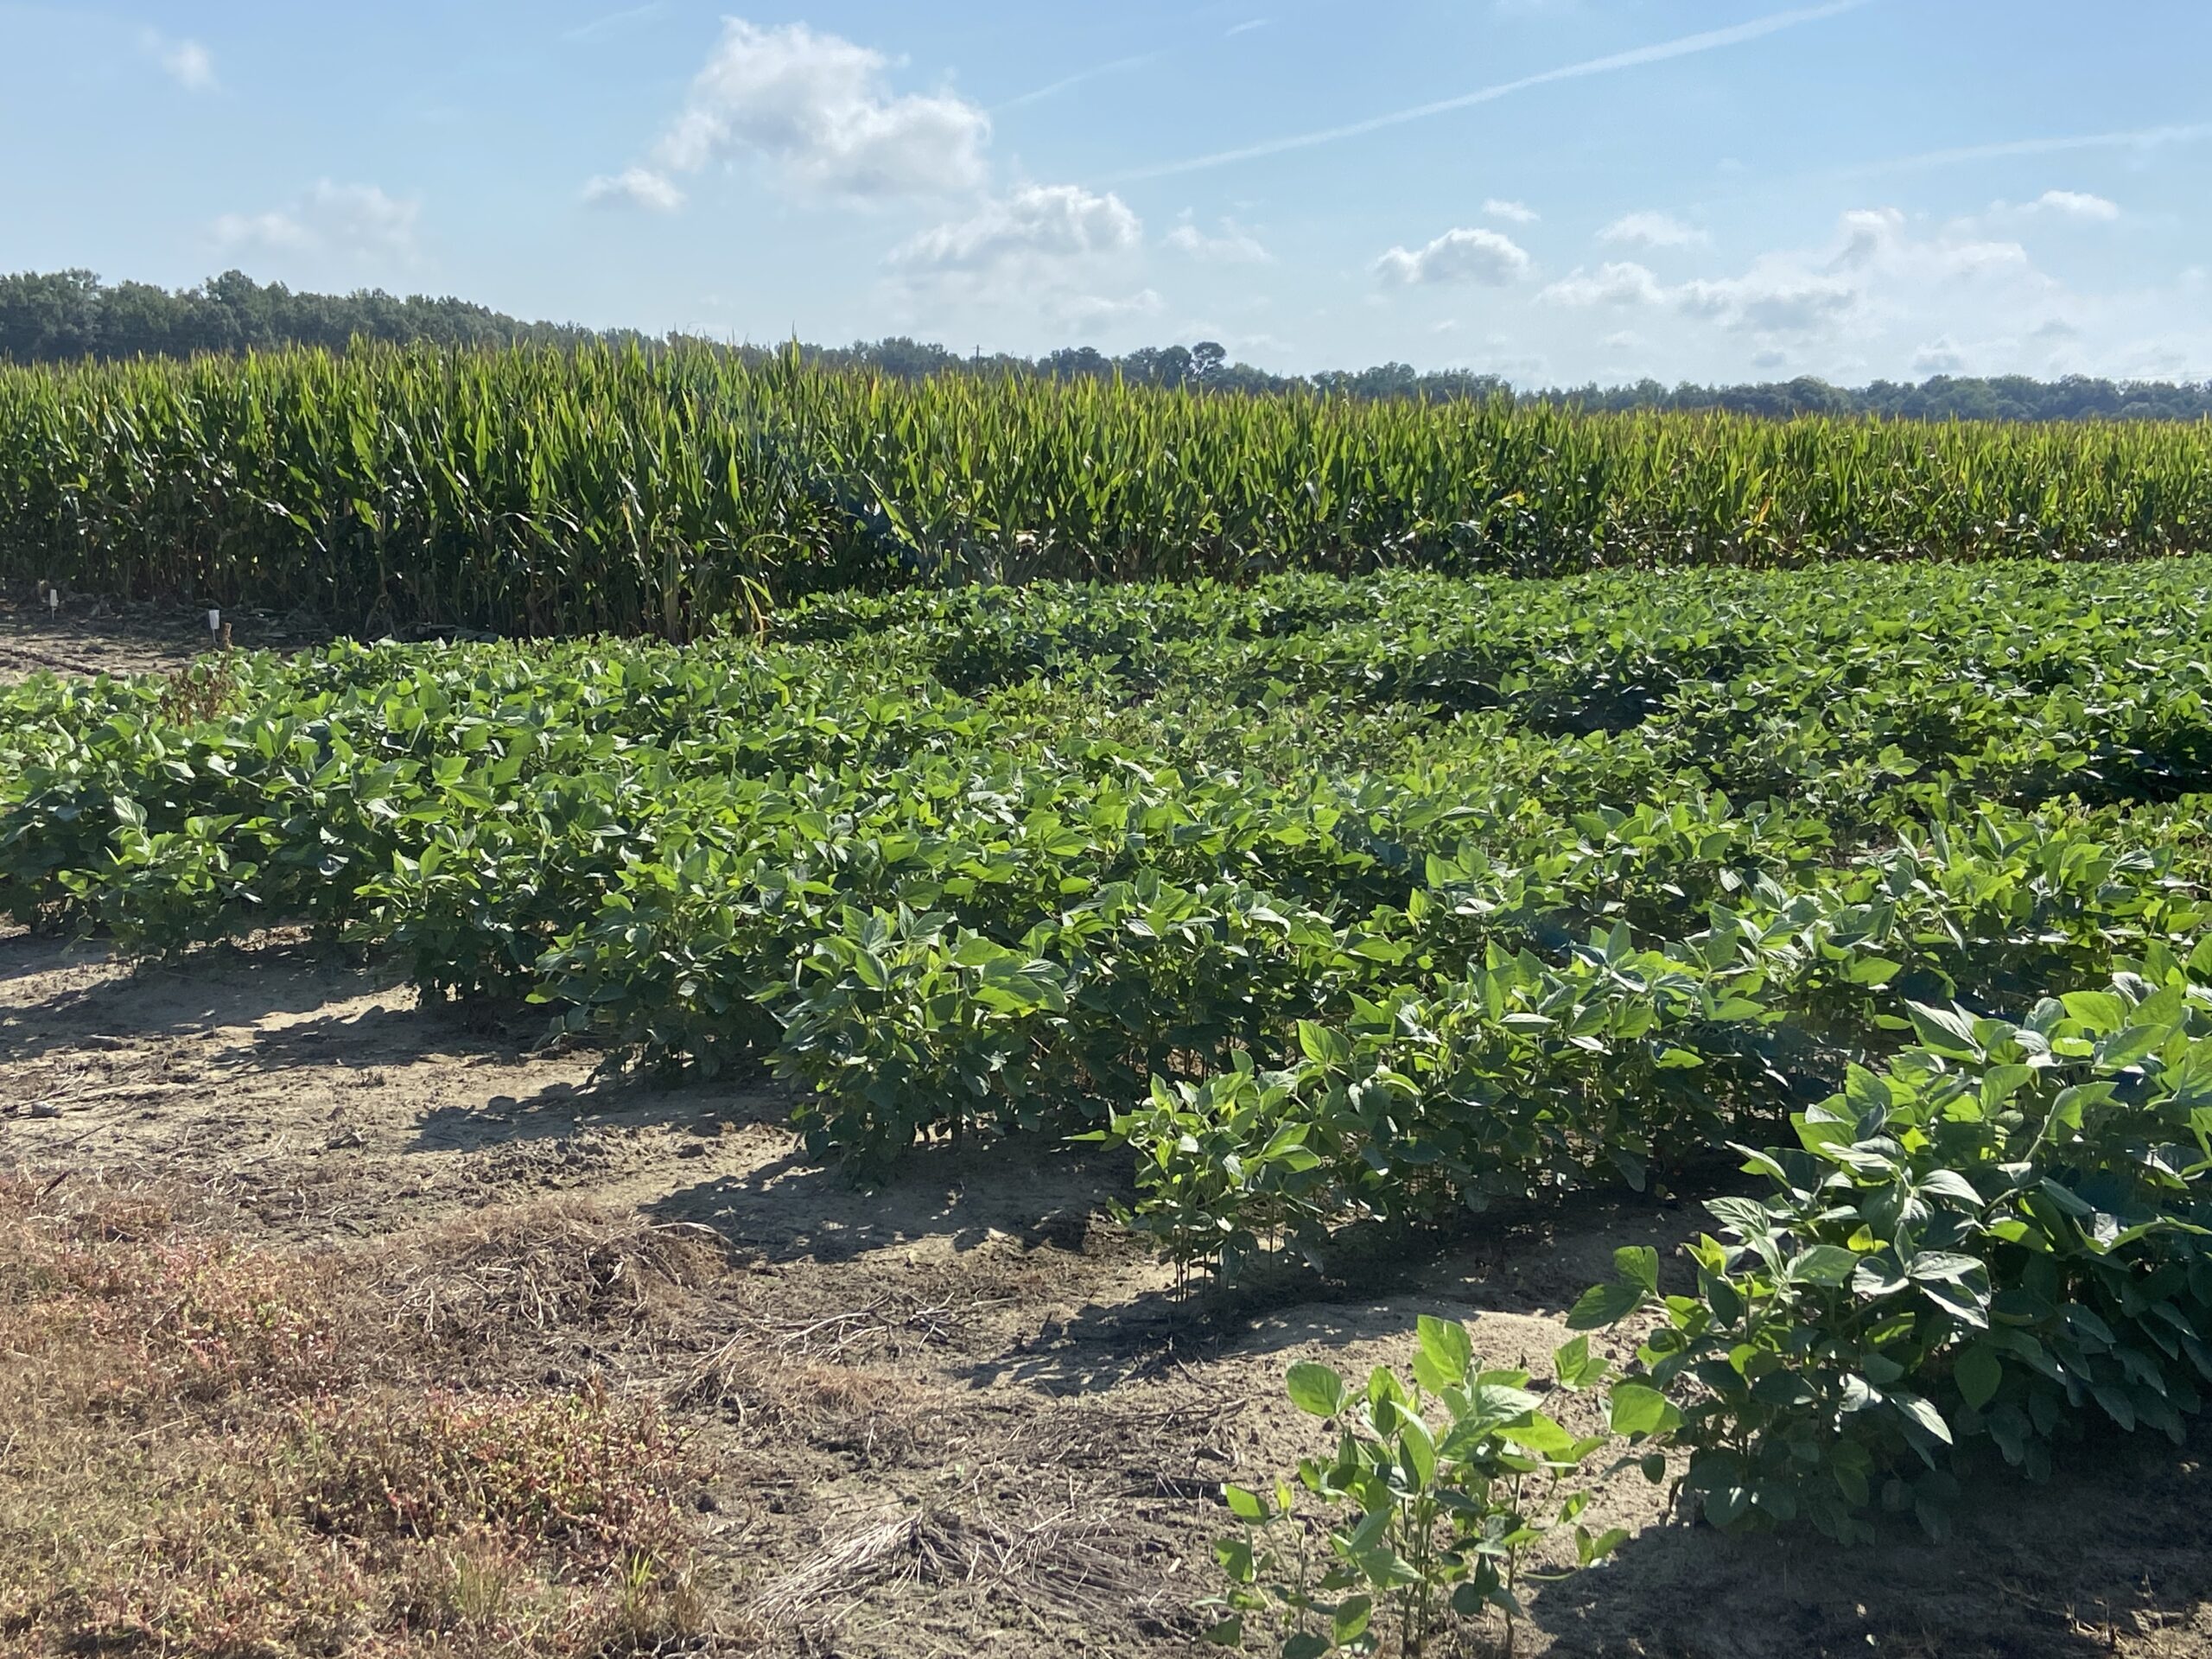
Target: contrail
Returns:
[1076, 79]
[1707, 41]
[614, 20]
[2138, 138]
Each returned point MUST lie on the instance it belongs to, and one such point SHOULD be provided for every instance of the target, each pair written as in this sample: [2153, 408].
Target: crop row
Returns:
[1023, 903]
[1966, 1262]
[1338, 900]
[542, 491]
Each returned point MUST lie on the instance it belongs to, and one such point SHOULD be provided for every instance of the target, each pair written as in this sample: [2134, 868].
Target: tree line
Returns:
[72, 315]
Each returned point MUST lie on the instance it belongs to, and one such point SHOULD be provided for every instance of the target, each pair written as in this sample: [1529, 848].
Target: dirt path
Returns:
[962, 1415]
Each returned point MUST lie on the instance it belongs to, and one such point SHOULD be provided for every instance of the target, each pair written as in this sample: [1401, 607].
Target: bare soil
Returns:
[85, 636]
[962, 1413]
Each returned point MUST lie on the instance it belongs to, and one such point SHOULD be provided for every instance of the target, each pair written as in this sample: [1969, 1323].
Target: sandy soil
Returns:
[963, 1412]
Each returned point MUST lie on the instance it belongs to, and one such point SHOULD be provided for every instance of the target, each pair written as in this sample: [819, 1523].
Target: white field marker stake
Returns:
[214, 623]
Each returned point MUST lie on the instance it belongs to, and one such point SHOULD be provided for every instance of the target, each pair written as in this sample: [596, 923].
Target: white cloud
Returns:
[1622, 283]
[1053, 223]
[1096, 310]
[351, 221]
[1513, 212]
[635, 187]
[184, 61]
[1877, 292]
[1235, 245]
[2065, 207]
[1651, 230]
[1939, 356]
[1771, 298]
[1458, 256]
[1875, 274]
[1880, 240]
[818, 111]
[274, 229]
[361, 215]
[1867, 232]
[1245, 27]
[1067, 261]
[2076, 204]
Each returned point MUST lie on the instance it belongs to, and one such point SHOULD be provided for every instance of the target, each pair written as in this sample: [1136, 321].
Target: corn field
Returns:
[539, 491]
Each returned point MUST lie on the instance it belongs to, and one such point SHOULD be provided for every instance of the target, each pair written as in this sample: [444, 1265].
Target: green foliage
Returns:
[1997, 1240]
[549, 489]
[1320, 893]
[1439, 1494]
[1521, 1076]
[903, 1021]
[1222, 1164]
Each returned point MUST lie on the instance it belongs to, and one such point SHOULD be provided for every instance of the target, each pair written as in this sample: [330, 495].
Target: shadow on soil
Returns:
[1529, 1263]
[561, 1109]
[2117, 1547]
[222, 985]
[794, 1206]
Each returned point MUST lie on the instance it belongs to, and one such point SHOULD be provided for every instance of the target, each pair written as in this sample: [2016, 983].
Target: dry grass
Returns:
[225, 1453]
[874, 1418]
[554, 1265]
[1057, 1559]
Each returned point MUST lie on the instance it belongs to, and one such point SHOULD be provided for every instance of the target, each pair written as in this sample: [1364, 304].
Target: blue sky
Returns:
[1555, 190]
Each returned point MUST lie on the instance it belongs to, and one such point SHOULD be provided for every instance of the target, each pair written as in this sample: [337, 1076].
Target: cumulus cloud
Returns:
[2062, 206]
[1939, 356]
[1234, 245]
[1876, 271]
[184, 61]
[1865, 233]
[1481, 256]
[1772, 298]
[1513, 212]
[351, 220]
[1051, 223]
[1622, 283]
[1879, 239]
[635, 187]
[1881, 293]
[1066, 260]
[818, 112]
[2077, 204]
[1652, 230]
